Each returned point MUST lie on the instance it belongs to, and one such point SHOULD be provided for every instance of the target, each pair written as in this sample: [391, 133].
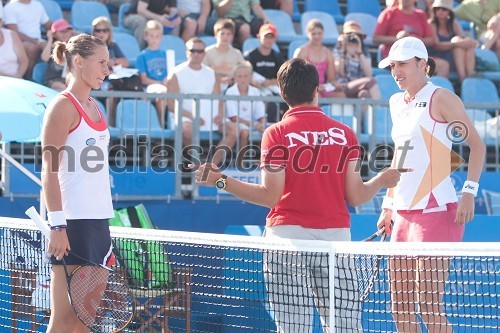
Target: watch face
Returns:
[220, 184]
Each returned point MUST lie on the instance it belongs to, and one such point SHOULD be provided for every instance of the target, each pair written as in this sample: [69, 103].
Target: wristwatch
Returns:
[220, 183]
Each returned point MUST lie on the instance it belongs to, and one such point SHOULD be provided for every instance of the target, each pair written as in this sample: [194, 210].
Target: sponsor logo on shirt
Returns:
[421, 104]
[333, 136]
[90, 142]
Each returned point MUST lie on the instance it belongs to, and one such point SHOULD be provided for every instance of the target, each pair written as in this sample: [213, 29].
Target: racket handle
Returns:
[42, 225]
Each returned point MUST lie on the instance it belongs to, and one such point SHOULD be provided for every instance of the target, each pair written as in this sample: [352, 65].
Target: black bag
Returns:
[132, 83]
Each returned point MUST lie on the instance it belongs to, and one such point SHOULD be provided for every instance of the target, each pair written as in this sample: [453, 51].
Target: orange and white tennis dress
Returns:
[425, 201]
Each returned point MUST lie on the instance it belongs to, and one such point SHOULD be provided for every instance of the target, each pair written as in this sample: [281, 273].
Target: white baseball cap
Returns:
[405, 49]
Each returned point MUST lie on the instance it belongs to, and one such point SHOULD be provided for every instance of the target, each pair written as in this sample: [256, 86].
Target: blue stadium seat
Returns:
[53, 9]
[442, 82]
[65, 4]
[331, 33]
[122, 11]
[387, 86]
[490, 58]
[296, 12]
[138, 117]
[328, 6]
[367, 22]
[38, 73]
[371, 7]
[208, 40]
[284, 24]
[171, 42]
[129, 46]
[479, 90]
[253, 43]
[84, 12]
[294, 46]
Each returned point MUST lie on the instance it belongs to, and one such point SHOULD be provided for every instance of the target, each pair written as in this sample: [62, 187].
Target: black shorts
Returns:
[89, 239]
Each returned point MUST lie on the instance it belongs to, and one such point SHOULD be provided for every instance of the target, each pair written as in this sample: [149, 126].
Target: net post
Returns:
[332, 262]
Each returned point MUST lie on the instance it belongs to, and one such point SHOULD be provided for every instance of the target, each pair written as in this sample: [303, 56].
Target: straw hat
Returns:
[447, 4]
[353, 27]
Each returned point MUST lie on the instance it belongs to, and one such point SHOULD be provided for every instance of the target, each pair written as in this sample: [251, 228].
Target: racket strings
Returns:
[100, 299]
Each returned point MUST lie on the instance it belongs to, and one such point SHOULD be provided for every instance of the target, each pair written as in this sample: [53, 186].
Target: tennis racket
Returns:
[368, 266]
[99, 296]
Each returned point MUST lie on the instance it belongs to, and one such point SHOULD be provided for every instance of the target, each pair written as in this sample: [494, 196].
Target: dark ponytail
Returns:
[430, 68]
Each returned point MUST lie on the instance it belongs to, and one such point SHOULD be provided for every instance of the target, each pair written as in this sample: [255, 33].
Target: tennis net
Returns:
[197, 282]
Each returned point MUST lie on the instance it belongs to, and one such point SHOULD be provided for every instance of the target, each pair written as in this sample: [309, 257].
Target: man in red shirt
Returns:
[309, 165]
[401, 21]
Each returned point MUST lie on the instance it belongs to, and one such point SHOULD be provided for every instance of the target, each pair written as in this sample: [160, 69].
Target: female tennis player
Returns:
[75, 175]
[424, 204]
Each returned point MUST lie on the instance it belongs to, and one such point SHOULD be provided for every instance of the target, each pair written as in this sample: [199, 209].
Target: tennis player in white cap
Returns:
[424, 204]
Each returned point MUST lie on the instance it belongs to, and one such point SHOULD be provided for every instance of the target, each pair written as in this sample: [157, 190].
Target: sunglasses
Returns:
[101, 30]
[197, 51]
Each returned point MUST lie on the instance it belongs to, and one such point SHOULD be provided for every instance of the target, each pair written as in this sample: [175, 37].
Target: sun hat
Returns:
[405, 49]
[448, 4]
[353, 27]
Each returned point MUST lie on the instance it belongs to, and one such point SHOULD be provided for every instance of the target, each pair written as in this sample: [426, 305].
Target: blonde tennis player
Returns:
[424, 205]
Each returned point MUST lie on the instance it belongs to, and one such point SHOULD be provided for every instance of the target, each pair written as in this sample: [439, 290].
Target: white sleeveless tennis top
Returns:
[84, 182]
[422, 144]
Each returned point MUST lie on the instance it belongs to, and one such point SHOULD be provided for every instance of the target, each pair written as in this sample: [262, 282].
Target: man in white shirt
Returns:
[193, 77]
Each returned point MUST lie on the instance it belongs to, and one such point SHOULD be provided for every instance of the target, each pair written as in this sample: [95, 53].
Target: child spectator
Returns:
[25, 17]
[194, 15]
[55, 75]
[152, 64]
[249, 115]
[14, 61]
[451, 45]
[222, 57]
[316, 53]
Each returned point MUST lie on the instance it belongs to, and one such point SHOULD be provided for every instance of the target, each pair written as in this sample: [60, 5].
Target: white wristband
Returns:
[387, 203]
[470, 187]
[57, 219]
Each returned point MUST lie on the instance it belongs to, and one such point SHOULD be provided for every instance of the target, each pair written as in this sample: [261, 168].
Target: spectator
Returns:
[194, 15]
[222, 57]
[55, 75]
[193, 77]
[321, 57]
[284, 5]
[354, 65]
[425, 6]
[152, 65]
[405, 20]
[451, 45]
[491, 40]
[266, 62]
[248, 115]
[240, 12]
[14, 61]
[25, 17]
[479, 12]
[164, 11]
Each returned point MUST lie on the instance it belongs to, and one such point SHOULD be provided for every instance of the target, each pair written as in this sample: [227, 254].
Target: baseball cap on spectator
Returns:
[60, 25]
[268, 29]
[405, 49]
[353, 27]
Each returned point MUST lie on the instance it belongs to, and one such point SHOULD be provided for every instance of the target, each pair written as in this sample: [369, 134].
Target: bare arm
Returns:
[22, 57]
[47, 50]
[259, 12]
[223, 7]
[287, 6]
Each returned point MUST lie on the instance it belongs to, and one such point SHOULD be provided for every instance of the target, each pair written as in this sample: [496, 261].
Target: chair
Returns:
[253, 43]
[65, 4]
[23, 282]
[138, 117]
[442, 82]
[129, 46]
[367, 22]
[122, 11]
[492, 202]
[284, 24]
[293, 46]
[371, 7]
[331, 33]
[208, 40]
[479, 90]
[328, 6]
[171, 42]
[387, 86]
[84, 12]
[53, 9]
[38, 73]
[490, 61]
[296, 12]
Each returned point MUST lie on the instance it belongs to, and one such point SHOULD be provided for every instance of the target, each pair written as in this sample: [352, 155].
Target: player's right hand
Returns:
[59, 244]
[385, 221]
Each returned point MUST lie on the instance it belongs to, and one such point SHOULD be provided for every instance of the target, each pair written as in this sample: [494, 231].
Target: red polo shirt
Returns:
[314, 150]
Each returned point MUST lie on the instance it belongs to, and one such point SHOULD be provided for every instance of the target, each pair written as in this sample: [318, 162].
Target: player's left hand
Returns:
[465, 210]
[206, 174]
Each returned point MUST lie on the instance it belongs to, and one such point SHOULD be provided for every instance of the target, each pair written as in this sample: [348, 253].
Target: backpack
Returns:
[147, 263]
